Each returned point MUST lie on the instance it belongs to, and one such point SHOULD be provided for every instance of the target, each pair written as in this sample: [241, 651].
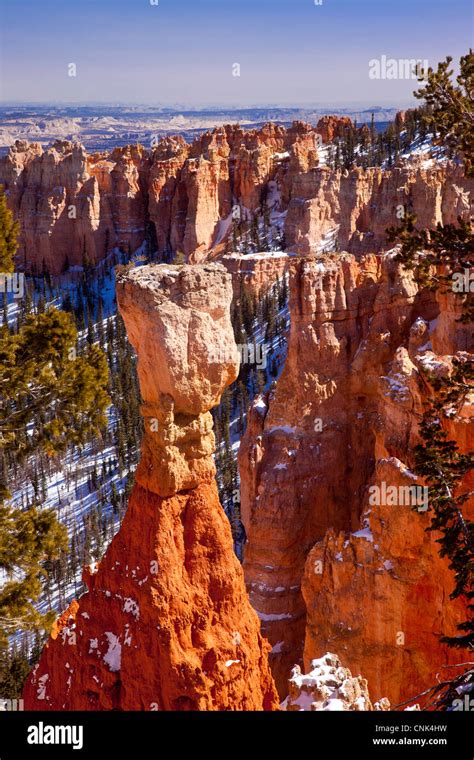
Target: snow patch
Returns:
[364, 533]
[113, 656]
[132, 607]
[41, 691]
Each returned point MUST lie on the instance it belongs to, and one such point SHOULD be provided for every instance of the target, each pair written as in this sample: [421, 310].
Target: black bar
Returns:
[133, 736]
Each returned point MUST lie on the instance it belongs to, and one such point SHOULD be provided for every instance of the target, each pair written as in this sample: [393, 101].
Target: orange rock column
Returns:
[166, 623]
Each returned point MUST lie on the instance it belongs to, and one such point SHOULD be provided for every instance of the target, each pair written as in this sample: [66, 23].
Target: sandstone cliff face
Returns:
[256, 271]
[166, 623]
[72, 206]
[324, 568]
[330, 127]
[167, 200]
[357, 206]
[379, 596]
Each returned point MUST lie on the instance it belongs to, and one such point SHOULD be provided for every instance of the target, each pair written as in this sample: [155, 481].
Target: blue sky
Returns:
[182, 51]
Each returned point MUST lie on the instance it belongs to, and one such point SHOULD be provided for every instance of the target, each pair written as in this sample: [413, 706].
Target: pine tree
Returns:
[8, 235]
[266, 228]
[439, 462]
[447, 250]
[235, 237]
[247, 309]
[450, 107]
[27, 540]
[179, 258]
[372, 139]
[14, 670]
[435, 255]
[255, 234]
[61, 399]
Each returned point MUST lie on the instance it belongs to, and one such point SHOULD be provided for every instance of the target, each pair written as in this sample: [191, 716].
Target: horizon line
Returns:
[180, 106]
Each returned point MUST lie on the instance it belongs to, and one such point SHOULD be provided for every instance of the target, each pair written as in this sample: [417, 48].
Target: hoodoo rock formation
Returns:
[181, 323]
[326, 567]
[379, 595]
[333, 126]
[166, 623]
[74, 207]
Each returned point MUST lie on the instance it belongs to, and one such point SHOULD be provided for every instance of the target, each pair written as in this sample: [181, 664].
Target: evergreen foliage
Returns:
[51, 397]
[8, 235]
[435, 256]
[450, 110]
[440, 463]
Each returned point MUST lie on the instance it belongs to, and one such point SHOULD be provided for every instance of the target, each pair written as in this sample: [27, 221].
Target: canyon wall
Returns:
[324, 568]
[351, 210]
[166, 623]
[75, 208]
